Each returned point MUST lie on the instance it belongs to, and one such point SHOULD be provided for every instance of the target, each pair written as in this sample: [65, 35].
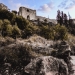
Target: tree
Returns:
[1, 23]
[30, 30]
[58, 16]
[21, 22]
[63, 32]
[6, 22]
[5, 14]
[15, 12]
[9, 30]
[62, 17]
[65, 19]
[4, 26]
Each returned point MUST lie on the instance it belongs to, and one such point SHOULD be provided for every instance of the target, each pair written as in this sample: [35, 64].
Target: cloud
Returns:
[71, 5]
[46, 7]
[67, 4]
[15, 6]
[63, 4]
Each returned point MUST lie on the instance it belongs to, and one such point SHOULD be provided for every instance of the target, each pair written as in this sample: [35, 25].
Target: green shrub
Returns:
[1, 23]
[16, 32]
[5, 14]
[54, 32]
[21, 22]
[9, 30]
[6, 28]
[30, 30]
[61, 32]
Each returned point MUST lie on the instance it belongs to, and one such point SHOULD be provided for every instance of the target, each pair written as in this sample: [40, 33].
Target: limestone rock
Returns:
[47, 65]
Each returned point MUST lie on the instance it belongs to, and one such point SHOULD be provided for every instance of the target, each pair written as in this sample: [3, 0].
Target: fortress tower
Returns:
[27, 13]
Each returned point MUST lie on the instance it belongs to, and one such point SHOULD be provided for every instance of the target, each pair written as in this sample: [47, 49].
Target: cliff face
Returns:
[47, 66]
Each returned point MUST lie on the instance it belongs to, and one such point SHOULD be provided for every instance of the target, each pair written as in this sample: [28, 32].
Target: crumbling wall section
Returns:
[27, 13]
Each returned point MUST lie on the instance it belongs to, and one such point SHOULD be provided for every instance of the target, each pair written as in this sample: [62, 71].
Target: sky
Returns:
[45, 8]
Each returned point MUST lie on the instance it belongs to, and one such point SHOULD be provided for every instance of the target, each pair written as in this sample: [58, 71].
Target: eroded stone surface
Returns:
[47, 65]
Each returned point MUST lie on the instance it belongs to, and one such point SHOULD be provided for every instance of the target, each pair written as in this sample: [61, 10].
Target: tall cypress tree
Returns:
[58, 16]
[65, 20]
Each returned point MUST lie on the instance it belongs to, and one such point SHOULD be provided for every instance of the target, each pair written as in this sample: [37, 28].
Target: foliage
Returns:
[21, 22]
[1, 23]
[54, 32]
[17, 54]
[6, 27]
[13, 20]
[61, 32]
[62, 18]
[9, 30]
[5, 14]
[6, 22]
[15, 12]
[30, 30]
[16, 31]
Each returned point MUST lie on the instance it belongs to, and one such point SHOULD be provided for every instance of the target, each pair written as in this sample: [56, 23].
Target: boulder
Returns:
[46, 65]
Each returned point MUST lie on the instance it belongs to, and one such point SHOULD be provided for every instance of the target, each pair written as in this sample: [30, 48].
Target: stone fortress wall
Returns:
[30, 14]
[27, 13]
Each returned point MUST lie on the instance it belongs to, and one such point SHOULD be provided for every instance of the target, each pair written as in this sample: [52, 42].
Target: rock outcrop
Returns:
[47, 65]
[2, 6]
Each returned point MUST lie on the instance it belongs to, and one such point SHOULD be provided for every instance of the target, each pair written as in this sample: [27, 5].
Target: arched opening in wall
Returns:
[28, 17]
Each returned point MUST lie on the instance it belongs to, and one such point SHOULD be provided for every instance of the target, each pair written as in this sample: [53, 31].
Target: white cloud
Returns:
[46, 7]
[70, 7]
[67, 4]
[63, 4]
[15, 6]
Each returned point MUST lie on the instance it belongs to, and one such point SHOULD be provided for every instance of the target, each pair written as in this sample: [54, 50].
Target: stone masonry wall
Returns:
[27, 13]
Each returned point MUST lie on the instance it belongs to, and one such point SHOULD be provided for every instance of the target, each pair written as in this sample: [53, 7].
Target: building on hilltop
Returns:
[30, 14]
[27, 13]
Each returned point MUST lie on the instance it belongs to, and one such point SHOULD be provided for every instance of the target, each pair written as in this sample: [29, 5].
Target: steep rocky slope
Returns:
[19, 52]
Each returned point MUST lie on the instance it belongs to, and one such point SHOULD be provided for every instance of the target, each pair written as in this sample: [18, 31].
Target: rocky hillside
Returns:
[15, 54]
